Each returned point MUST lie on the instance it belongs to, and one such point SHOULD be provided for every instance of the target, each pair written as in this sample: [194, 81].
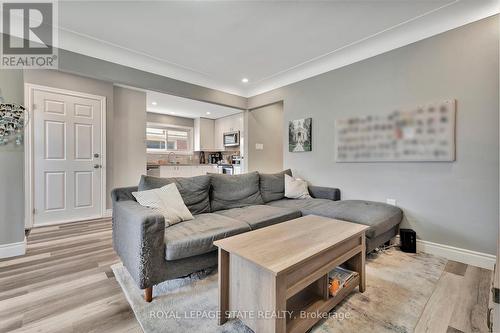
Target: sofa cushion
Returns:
[380, 217]
[260, 216]
[230, 191]
[306, 206]
[194, 190]
[272, 186]
[191, 238]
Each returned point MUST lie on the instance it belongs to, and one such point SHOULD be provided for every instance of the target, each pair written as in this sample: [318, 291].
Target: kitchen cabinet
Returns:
[204, 169]
[227, 124]
[204, 134]
[168, 171]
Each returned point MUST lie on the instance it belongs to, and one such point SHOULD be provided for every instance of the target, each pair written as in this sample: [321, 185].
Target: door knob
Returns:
[96, 155]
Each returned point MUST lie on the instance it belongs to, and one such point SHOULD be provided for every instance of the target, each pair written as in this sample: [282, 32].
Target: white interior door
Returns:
[67, 157]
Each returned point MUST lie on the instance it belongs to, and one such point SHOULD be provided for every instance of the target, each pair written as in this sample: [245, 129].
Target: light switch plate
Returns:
[259, 146]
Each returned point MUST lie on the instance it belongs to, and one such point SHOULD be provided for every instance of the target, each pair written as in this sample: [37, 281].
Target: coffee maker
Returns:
[214, 158]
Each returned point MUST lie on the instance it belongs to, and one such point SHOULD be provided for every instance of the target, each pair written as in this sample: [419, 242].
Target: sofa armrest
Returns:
[320, 192]
[138, 238]
[123, 193]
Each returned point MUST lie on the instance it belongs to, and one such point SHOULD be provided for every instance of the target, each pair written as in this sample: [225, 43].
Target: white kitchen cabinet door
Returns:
[199, 170]
[205, 169]
[169, 171]
[204, 134]
[166, 171]
[186, 171]
[227, 124]
[219, 132]
[235, 123]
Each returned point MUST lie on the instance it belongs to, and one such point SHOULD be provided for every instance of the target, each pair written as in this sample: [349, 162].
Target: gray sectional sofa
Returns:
[224, 206]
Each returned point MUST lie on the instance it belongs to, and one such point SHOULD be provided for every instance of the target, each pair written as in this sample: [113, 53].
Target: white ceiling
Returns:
[184, 107]
[216, 44]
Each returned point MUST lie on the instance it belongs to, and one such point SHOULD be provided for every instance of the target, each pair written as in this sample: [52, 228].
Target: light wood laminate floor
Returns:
[64, 284]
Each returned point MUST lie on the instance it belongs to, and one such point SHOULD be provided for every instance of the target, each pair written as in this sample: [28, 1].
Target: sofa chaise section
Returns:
[383, 219]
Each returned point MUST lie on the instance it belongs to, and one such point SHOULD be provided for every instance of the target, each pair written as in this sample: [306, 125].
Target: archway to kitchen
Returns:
[185, 137]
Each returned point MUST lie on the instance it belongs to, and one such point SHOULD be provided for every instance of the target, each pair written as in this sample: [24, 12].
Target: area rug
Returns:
[398, 286]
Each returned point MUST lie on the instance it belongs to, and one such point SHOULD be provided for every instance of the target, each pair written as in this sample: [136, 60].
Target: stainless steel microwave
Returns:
[231, 139]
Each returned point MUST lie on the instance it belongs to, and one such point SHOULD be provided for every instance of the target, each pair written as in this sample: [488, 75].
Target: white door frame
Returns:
[29, 193]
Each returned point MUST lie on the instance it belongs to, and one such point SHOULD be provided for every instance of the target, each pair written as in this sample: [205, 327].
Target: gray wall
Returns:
[168, 119]
[62, 80]
[11, 168]
[449, 203]
[265, 127]
[129, 151]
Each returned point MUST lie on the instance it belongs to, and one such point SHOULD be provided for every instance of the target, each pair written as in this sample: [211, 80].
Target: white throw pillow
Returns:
[296, 188]
[168, 201]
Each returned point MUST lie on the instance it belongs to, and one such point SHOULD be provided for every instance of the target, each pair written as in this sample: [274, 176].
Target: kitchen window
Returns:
[168, 138]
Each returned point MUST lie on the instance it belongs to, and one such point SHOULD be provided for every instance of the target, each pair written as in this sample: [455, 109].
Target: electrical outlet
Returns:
[391, 202]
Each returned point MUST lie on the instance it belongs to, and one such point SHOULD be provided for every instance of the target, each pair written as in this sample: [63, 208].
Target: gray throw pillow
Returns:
[272, 186]
[194, 191]
[235, 191]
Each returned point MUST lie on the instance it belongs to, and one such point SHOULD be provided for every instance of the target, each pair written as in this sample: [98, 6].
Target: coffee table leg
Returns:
[357, 263]
[223, 285]
[280, 304]
[361, 269]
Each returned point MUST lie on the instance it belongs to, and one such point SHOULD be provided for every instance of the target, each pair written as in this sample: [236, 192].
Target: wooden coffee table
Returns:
[275, 279]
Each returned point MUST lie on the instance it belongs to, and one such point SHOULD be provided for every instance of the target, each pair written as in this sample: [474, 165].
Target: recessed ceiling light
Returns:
[154, 103]
[208, 112]
[244, 80]
[172, 112]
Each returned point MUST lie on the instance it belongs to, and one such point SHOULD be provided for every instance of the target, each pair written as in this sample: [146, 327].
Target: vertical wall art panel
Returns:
[300, 135]
[11, 123]
[423, 133]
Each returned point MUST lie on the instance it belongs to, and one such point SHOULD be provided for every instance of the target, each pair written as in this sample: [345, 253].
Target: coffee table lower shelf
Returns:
[307, 305]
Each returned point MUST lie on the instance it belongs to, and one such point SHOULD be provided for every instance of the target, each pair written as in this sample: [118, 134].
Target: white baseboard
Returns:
[13, 249]
[108, 213]
[469, 257]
